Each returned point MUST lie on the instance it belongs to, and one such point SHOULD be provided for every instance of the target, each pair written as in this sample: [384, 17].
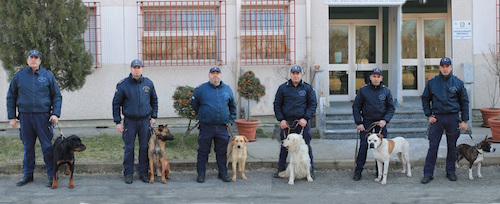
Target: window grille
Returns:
[92, 35]
[268, 32]
[182, 33]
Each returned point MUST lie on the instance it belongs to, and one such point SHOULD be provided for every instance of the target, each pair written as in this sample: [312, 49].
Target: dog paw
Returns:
[377, 179]
[53, 187]
[310, 179]
[243, 177]
[164, 181]
[471, 178]
[383, 182]
[408, 174]
[290, 183]
[479, 176]
[234, 178]
[71, 186]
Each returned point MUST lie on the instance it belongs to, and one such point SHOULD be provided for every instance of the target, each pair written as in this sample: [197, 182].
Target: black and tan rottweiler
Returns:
[157, 159]
[64, 149]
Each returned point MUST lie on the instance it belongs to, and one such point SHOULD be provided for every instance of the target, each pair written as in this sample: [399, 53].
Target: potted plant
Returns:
[491, 115]
[249, 87]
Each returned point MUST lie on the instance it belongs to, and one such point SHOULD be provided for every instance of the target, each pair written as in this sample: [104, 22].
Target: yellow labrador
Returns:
[237, 149]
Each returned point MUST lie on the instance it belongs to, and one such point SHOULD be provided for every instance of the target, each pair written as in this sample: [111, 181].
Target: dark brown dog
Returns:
[64, 149]
[157, 159]
[474, 155]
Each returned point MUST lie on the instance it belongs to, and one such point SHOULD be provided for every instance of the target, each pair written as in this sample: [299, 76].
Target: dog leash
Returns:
[228, 127]
[296, 122]
[60, 131]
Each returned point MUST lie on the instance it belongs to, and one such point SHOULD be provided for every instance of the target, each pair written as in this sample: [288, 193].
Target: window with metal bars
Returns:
[92, 35]
[182, 33]
[268, 32]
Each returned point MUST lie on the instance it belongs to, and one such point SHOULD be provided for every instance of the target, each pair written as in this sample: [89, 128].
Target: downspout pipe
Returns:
[237, 70]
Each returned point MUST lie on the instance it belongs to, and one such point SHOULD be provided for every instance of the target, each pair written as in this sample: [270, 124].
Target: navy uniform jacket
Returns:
[136, 97]
[293, 103]
[445, 95]
[33, 92]
[214, 105]
[373, 104]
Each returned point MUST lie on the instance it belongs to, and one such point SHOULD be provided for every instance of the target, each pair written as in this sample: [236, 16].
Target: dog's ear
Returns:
[380, 136]
[245, 138]
[486, 137]
[233, 138]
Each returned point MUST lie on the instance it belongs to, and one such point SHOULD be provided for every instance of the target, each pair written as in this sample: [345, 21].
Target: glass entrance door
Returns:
[354, 46]
[423, 43]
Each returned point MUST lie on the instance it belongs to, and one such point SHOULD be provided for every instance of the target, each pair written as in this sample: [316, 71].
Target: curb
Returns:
[179, 166]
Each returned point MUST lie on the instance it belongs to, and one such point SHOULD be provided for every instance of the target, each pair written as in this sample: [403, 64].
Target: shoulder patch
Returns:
[432, 77]
[121, 81]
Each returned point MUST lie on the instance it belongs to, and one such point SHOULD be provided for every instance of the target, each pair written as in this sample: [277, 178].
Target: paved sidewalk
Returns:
[263, 153]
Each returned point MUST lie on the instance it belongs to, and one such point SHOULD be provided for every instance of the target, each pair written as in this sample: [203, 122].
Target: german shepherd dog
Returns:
[64, 149]
[157, 159]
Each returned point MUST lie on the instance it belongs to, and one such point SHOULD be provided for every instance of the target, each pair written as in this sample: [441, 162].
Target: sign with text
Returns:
[462, 30]
[364, 2]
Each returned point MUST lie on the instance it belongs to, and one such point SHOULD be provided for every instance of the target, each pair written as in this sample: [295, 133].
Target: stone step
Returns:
[395, 123]
[392, 132]
[345, 115]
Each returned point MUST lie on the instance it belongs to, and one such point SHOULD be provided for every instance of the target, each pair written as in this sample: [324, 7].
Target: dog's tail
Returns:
[229, 152]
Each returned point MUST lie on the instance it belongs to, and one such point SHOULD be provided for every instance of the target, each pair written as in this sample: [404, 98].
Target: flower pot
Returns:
[495, 129]
[247, 129]
[489, 113]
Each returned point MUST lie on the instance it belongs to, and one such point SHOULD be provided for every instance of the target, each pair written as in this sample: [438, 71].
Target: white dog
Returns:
[384, 149]
[300, 162]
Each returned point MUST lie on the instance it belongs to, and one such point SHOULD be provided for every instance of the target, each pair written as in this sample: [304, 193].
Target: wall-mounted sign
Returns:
[364, 2]
[462, 30]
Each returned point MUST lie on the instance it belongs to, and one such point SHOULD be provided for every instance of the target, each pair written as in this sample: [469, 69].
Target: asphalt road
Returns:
[330, 186]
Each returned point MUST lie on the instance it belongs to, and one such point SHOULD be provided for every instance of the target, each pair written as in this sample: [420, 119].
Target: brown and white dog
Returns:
[156, 154]
[474, 154]
[383, 149]
[237, 150]
[300, 163]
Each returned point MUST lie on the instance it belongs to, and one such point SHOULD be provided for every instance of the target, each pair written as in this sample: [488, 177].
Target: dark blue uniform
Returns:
[445, 98]
[215, 107]
[138, 102]
[36, 96]
[372, 104]
[292, 103]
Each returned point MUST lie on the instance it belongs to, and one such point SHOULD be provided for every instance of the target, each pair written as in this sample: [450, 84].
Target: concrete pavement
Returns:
[263, 153]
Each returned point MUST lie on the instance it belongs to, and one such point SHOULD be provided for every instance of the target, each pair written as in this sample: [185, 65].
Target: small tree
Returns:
[53, 27]
[181, 97]
[492, 59]
[249, 87]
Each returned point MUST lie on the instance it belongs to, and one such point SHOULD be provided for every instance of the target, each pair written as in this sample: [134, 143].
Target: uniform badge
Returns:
[42, 79]
[192, 97]
[302, 92]
[146, 89]
[453, 89]
[382, 97]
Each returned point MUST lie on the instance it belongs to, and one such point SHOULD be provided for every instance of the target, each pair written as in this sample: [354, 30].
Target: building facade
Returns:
[337, 42]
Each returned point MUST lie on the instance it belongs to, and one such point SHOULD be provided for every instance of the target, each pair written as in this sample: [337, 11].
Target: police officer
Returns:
[136, 97]
[35, 93]
[294, 105]
[214, 103]
[373, 105]
[443, 99]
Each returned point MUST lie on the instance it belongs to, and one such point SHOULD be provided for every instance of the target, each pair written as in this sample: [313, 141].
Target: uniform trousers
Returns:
[35, 125]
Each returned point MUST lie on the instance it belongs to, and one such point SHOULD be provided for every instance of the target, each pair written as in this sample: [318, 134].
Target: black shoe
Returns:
[24, 180]
[129, 179]
[357, 176]
[451, 176]
[201, 178]
[312, 175]
[277, 174]
[49, 182]
[427, 179]
[224, 178]
[144, 178]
